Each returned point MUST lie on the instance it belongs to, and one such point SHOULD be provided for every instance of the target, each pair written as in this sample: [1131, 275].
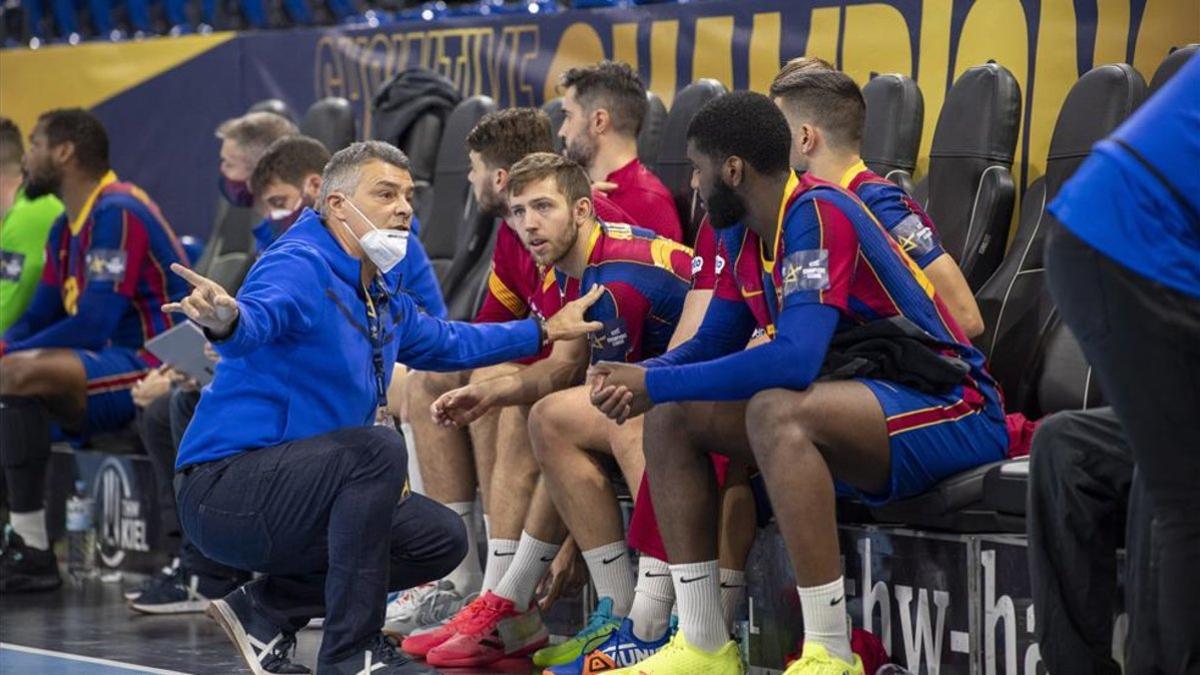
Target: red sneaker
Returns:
[495, 632]
[419, 644]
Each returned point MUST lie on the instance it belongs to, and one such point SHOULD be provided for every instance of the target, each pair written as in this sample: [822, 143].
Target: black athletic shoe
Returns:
[261, 644]
[164, 575]
[24, 569]
[182, 593]
[380, 658]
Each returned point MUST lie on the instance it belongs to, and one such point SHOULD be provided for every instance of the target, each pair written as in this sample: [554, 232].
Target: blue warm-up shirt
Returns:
[1136, 199]
[299, 362]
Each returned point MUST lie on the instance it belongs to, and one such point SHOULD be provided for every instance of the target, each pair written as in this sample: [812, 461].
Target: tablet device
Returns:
[182, 348]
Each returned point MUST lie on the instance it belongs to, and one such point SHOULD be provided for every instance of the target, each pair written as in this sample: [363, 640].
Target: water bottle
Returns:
[81, 535]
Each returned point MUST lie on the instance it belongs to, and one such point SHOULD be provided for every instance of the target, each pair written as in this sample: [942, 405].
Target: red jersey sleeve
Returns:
[704, 261]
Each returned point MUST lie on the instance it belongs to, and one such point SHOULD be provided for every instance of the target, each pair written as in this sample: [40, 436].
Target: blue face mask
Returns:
[236, 192]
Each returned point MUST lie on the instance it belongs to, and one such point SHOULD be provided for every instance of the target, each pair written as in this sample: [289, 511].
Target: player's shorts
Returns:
[933, 437]
[111, 374]
[644, 535]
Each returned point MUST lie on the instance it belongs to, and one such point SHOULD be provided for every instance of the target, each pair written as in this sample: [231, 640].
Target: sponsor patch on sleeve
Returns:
[610, 343]
[11, 265]
[106, 264]
[806, 271]
[913, 236]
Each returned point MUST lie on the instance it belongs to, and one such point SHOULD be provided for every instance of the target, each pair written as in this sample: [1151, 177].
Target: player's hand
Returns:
[459, 407]
[568, 323]
[619, 390]
[604, 186]
[208, 304]
[566, 576]
[181, 380]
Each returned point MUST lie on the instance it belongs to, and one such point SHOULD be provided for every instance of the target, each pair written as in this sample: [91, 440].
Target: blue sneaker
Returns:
[620, 650]
[599, 626]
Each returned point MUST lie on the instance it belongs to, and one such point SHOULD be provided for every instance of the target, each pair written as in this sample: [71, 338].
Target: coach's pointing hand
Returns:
[208, 304]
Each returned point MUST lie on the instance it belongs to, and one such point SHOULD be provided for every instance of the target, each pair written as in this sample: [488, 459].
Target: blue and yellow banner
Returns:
[162, 99]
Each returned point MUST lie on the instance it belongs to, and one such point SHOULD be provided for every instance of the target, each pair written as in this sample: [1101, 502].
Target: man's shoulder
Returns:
[128, 197]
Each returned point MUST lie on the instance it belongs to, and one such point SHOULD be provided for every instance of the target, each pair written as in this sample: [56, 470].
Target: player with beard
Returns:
[454, 461]
[74, 355]
[603, 107]
[811, 266]
[645, 278]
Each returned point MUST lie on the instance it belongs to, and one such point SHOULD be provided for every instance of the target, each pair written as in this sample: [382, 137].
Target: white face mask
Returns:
[385, 248]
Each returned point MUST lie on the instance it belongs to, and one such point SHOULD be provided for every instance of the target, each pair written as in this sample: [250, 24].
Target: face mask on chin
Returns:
[384, 248]
[236, 192]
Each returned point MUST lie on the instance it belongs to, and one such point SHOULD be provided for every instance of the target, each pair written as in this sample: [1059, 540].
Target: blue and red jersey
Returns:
[109, 271]
[645, 278]
[899, 213]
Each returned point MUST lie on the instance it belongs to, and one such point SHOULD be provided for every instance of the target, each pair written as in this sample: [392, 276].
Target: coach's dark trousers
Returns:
[1143, 341]
[323, 519]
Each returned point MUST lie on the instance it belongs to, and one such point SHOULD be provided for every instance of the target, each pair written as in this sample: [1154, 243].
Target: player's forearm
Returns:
[89, 328]
[537, 381]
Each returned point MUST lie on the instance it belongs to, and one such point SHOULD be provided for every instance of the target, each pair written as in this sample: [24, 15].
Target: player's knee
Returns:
[663, 423]
[547, 426]
[18, 373]
[775, 421]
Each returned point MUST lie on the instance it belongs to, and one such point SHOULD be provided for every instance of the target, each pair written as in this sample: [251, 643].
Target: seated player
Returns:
[74, 355]
[603, 108]
[831, 278]
[450, 458]
[646, 279]
[24, 225]
[826, 112]
[244, 140]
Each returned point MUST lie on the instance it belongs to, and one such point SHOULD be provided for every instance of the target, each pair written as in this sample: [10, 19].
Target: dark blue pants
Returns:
[323, 519]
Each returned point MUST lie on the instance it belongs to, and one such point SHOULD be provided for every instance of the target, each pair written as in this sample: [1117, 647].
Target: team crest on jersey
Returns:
[106, 264]
[806, 271]
[697, 265]
[913, 235]
[11, 264]
[720, 263]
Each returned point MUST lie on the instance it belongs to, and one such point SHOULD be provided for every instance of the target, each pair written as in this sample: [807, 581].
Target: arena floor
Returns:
[87, 630]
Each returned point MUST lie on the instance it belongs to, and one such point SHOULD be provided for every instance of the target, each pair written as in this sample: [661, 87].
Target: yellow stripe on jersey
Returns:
[506, 297]
[661, 250]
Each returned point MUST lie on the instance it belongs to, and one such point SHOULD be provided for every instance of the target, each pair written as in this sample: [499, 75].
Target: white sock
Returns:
[612, 574]
[31, 525]
[487, 527]
[652, 599]
[733, 594]
[698, 590]
[528, 567]
[467, 576]
[500, 554]
[824, 611]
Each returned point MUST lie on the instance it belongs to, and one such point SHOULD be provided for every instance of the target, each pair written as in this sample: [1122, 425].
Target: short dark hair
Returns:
[345, 166]
[11, 146]
[796, 68]
[831, 100]
[503, 137]
[743, 124]
[289, 160]
[611, 85]
[82, 129]
[255, 131]
[571, 179]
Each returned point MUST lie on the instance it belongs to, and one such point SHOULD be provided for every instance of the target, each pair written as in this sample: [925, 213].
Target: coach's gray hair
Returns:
[345, 167]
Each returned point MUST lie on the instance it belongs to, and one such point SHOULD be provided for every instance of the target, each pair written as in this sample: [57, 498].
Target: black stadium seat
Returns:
[553, 108]
[232, 233]
[892, 133]
[456, 234]
[331, 121]
[649, 138]
[969, 191]
[1172, 64]
[1014, 303]
[274, 105]
[672, 167]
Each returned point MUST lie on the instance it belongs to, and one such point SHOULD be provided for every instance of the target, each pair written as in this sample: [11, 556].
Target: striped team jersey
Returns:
[122, 244]
[830, 249]
[646, 278]
[899, 213]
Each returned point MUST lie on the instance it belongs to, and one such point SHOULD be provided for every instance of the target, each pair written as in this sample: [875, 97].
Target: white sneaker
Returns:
[423, 607]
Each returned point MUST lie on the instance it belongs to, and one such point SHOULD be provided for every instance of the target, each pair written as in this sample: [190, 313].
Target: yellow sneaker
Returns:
[680, 658]
[815, 660]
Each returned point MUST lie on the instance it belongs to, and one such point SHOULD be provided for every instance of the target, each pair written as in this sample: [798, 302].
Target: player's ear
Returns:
[63, 152]
[600, 121]
[583, 210]
[312, 185]
[807, 139]
[500, 180]
[733, 170]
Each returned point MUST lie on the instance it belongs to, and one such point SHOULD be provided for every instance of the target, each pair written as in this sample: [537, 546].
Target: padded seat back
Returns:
[456, 232]
[649, 138]
[672, 167]
[1067, 381]
[466, 302]
[1014, 304]
[970, 189]
[229, 269]
[892, 133]
[1171, 65]
[274, 105]
[420, 142]
[331, 121]
[232, 232]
